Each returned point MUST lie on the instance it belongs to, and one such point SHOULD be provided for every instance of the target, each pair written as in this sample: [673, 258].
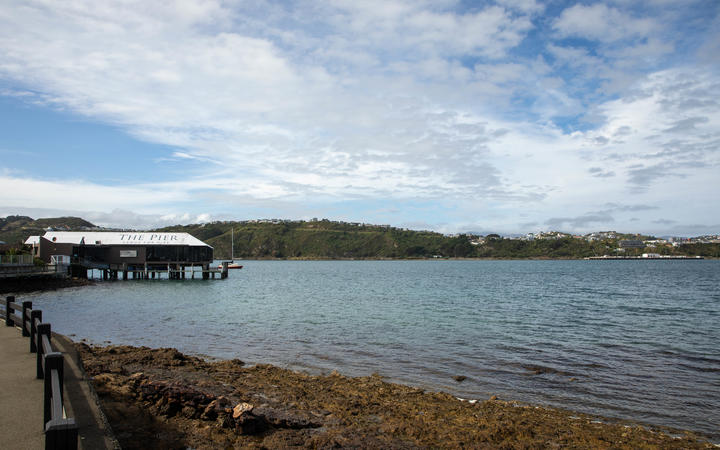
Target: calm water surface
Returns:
[629, 339]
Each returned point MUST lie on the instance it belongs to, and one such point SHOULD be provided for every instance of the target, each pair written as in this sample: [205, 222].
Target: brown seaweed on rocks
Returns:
[160, 398]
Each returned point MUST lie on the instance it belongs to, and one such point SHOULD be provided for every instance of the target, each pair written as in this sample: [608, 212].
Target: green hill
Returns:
[324, 239]
[321, 239]
[16, 229]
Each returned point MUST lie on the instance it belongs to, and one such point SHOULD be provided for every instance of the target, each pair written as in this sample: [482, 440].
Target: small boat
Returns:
[231, 264]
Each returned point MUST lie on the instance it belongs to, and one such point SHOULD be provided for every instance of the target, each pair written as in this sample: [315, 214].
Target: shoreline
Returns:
[536, 258]
[40, 284]
[163, 398]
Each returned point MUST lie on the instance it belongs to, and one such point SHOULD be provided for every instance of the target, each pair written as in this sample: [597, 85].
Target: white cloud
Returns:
[82, 195]
[294, 106]
[602, 23]
[426, 28]
[669, 129]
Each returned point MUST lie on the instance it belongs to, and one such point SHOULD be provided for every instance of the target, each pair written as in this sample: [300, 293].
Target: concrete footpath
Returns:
[21, 401]
[21, 394]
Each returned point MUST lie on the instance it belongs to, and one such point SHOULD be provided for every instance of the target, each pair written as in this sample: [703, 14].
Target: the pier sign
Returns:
[150, 238]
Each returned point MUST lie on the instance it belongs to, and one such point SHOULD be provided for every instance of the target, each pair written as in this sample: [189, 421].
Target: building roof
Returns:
[122, 238]
[632, 243]
[32, 240]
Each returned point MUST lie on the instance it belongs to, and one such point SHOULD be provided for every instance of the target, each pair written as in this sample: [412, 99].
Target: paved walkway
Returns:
[21, 402]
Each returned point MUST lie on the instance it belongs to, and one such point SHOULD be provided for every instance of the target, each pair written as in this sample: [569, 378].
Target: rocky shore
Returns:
[160, 398]
[33, 284]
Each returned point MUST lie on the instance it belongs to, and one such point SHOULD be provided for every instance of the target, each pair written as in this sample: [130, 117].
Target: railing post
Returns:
[8, 310]
[53, 361]
[42, 330]
[61, 434]
[35, 314]
[26, 306]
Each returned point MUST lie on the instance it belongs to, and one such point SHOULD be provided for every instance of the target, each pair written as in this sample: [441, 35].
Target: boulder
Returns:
[241, 408]
[285, 419]
[215, 408]
[245, 421]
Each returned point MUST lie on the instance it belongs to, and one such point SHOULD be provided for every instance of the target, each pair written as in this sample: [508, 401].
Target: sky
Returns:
[508, 116]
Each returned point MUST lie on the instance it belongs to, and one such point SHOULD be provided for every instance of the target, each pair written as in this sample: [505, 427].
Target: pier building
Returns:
[139, 254]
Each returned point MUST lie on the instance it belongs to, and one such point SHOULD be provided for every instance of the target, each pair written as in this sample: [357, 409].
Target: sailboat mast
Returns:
[232, 243]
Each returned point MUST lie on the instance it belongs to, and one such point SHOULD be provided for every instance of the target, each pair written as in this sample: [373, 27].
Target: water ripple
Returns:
[633, 340]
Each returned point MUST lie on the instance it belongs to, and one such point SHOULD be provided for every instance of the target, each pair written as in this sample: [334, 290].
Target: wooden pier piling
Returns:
[147, 272]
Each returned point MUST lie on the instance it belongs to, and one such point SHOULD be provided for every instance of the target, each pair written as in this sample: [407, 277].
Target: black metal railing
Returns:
[61, 432]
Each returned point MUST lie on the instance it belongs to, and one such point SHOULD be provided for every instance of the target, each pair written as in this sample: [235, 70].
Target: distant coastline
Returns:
[536, 258]
[335, 240]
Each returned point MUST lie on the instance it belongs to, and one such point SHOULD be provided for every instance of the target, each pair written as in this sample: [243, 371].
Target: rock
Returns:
[248, 423]
[245, 421]
[103, 379]
[285, 419]
[189, 412]
[173, 397]
[241, 408]
[135, 380]
[249, 419]
[210, 413]
[215, 408]
[459, 378]
[169, 408]
[226, 421]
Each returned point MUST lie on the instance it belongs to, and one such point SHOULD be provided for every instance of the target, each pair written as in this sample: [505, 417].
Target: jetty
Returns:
[120, 255]
[23, 266]
[644, 257]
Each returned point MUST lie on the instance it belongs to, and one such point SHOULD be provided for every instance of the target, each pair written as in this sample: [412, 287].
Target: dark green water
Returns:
[629, 339]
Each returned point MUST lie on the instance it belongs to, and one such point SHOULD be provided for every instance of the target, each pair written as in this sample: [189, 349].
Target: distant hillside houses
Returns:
[624, 240]
[475, 239]
[708, 239]
[546, 235]
[601, 235]
[632, 243]
[314, 219]
[69, 228]
[609, 235]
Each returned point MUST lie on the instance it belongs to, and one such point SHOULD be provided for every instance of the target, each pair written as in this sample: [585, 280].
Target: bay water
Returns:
[637, 340]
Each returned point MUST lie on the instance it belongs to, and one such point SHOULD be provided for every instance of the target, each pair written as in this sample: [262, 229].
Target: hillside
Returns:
[324, 239]
[320, 239]
[16, 229]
